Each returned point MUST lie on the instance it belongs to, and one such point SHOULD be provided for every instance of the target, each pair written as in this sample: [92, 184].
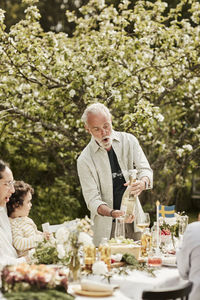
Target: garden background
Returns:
[140, 58]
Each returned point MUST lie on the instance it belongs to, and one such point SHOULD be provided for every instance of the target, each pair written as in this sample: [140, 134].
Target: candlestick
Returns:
[157, 225]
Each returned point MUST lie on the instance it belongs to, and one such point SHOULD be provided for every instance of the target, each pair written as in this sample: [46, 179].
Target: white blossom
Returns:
[85, 239]
[61, 251]
[99, 268]
[159, 117]
[72, 93]
[188, 147]
[2, 15]
[161, 89]
[180, 152]
[101, 3]
[62, 235]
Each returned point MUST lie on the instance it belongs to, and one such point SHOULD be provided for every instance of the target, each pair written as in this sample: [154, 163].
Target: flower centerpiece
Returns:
[172, 227]
[63, 247]
[24, 277]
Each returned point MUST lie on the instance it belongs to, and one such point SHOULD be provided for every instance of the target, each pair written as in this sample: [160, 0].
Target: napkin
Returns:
[89, 285]
[171, 260]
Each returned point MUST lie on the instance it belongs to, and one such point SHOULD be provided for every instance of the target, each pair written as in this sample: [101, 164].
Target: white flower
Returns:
[2, 15]
[72, 93]
[61, 251]
[62, 235]
[159, 117]
[180, 152]
[161, 89]
[188, 147]
[85, 239]
[99, 268]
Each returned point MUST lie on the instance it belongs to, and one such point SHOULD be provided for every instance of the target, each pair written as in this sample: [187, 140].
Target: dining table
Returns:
[132, 285]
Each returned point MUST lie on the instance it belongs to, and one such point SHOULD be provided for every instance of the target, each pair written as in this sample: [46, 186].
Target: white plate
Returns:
[169, 265]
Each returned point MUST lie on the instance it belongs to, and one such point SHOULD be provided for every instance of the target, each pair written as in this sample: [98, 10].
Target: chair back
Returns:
[53, 228]
[181, 292]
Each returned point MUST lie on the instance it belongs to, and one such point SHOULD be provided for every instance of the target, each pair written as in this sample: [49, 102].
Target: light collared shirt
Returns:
[96, 176]
[188, 258]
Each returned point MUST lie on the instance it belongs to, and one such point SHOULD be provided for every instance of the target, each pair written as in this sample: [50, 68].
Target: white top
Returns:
[96, 178]
[25, 234]
[8, 254]
[188, 258]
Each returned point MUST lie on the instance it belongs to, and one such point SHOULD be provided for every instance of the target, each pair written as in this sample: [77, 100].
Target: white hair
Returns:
[95, 108]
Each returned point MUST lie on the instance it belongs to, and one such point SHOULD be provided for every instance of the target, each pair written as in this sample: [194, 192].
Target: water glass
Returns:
[183, 222]
[154, 259]
[119, 229]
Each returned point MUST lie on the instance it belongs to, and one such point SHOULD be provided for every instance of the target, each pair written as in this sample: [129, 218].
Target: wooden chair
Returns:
[180, 292]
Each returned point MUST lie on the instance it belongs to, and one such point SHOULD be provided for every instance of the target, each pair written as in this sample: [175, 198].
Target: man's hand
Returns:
[137, 187]
[129, 218]
[117, 213]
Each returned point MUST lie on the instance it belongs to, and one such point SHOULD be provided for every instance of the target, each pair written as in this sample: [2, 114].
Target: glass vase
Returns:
[74, 267]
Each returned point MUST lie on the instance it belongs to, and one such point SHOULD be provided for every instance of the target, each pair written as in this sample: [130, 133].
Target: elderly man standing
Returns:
[103, 171]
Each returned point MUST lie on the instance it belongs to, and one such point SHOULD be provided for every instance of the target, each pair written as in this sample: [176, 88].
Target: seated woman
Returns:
[24, 231]
[8, 254]
[188, 258]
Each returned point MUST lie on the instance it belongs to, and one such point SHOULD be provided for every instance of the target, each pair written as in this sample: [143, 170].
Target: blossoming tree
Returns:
[146, 72]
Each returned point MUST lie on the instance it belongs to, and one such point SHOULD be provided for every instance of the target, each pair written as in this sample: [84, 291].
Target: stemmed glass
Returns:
[143, 221]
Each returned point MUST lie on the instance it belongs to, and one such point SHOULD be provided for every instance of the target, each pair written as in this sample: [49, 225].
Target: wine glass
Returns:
[119, 229]
[183, 222]
[143, 221]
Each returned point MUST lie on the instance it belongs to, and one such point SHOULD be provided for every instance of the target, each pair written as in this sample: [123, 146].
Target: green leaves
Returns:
[145, 71]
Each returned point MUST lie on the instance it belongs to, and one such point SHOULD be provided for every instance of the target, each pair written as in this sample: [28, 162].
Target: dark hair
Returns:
[3, 166]
[17, 198]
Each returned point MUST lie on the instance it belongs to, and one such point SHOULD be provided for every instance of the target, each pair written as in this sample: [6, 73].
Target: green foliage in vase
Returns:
[145, 71]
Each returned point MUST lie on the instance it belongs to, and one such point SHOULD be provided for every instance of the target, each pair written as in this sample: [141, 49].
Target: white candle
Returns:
[157, 226]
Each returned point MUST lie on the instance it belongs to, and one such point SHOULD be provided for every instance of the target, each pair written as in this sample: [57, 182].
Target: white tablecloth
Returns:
[132, 286]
